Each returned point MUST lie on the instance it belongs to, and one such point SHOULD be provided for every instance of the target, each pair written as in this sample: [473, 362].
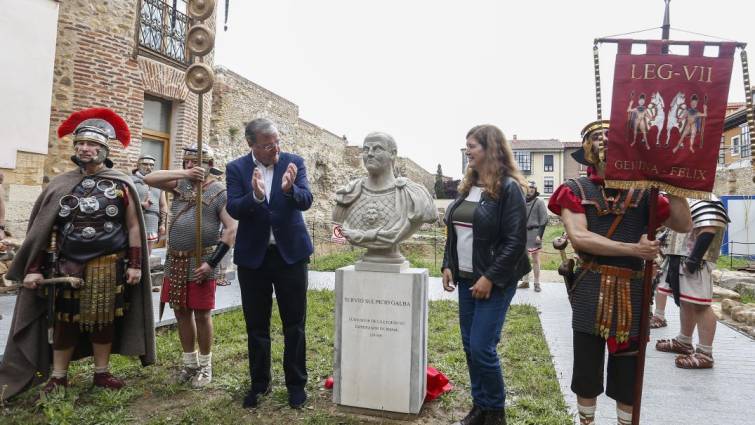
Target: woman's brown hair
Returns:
[499, 162]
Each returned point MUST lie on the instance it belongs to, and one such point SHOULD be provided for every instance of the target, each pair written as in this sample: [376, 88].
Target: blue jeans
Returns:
[481, 322]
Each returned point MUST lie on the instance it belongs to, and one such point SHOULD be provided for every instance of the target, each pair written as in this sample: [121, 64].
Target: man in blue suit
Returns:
[267, 191]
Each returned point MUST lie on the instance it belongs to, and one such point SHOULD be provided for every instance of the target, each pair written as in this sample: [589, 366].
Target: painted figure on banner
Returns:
[692, 122]
[657, 106]
[678, 106]
[639, 119]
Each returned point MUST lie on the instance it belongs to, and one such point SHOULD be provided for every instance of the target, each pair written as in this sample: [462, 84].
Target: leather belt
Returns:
[593, 267]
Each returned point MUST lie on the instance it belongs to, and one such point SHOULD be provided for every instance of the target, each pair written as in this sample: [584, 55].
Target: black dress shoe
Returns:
[476, 416]
[297, 398]
[252, 397]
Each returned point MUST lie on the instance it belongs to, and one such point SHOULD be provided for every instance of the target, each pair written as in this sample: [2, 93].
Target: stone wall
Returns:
[414, 172]
[741, 179]
[330, 161]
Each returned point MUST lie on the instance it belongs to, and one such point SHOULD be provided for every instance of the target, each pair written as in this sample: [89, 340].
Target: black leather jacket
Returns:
[500, 235]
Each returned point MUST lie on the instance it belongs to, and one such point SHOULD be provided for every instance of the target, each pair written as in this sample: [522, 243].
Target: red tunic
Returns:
[563, 197]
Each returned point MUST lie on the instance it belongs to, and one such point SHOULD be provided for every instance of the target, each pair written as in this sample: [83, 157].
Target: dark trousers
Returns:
[589, 361]
[290, 284]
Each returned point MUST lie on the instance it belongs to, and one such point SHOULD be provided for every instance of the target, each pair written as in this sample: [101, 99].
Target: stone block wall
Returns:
[741, 179]
[330, 161]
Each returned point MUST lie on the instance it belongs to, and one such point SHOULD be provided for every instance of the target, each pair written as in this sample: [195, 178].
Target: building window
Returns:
[524, 161]
[548, 185]
[722, 154]
[548, 163]
[744, 149]
[162, 28]
[735, 145]
[156, 130]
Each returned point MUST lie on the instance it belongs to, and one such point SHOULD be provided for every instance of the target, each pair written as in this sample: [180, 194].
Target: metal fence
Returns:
[732, 254]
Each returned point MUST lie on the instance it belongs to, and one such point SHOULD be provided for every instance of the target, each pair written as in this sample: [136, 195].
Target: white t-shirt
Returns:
[462, 220]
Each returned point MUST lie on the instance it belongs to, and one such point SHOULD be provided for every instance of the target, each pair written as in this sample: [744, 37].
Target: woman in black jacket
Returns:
[485, 257]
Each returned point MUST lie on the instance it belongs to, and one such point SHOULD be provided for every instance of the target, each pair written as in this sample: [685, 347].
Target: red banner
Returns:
[667, 118]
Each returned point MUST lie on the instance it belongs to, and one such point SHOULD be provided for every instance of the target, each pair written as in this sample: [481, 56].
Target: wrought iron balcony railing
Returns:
[163, 27]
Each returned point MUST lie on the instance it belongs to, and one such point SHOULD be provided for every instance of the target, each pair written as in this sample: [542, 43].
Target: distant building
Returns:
[735, 142]
[543, 162]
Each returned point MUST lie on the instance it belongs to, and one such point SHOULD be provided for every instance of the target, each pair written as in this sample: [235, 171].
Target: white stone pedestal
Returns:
[381, 339]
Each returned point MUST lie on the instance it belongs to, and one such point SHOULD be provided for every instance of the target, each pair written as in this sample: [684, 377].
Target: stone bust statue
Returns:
[379, 211]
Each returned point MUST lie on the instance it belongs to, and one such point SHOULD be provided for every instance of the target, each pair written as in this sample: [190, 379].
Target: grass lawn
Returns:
[152, 396]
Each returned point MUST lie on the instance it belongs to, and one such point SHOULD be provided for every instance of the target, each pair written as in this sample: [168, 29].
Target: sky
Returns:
[426, 71]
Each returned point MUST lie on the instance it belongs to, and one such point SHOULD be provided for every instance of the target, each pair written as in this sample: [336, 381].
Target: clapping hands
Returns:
[258, 184]
[289, 177]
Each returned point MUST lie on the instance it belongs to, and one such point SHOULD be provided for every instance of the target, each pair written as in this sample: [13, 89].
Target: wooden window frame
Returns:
[165, 139]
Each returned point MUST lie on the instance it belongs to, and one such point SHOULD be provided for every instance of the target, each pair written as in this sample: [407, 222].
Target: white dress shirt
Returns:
[267, 176]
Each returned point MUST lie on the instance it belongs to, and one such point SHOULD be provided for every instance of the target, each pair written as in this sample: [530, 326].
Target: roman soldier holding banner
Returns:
[189, 287]
[607, 230]
[81, 266]
[612, 215]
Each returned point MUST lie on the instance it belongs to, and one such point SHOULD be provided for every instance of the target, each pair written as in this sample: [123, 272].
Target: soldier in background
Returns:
[690, 260]
[189, 287]
[537, 220]
[152, 200]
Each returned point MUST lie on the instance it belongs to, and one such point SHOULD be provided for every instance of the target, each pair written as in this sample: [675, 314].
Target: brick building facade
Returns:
[118, 54]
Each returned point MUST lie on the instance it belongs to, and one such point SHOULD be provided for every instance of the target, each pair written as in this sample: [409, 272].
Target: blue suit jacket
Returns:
[282, 212]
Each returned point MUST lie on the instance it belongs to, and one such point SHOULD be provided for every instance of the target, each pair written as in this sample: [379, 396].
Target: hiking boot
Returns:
[106, 380]
[495, 417]
[476, 416]
[523, 284]
[186, 374]
[202, 377]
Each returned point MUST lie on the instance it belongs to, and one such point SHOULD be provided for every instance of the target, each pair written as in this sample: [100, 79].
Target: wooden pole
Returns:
[647, 279]
[647, 287]
[198, 246]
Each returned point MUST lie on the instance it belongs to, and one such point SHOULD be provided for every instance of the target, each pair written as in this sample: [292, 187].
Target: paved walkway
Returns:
[722, 395]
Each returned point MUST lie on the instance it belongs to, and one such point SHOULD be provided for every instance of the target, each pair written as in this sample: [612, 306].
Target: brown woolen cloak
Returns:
[28, 355]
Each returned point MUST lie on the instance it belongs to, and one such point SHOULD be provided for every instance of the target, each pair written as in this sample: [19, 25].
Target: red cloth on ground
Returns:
[437, 384]
[198, 296]
[563, 197]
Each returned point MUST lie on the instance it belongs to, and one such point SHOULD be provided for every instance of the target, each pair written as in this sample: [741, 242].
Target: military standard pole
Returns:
[198, 220]
[647, 281]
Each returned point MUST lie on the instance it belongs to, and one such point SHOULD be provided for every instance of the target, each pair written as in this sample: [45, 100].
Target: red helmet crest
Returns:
[105, 120]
